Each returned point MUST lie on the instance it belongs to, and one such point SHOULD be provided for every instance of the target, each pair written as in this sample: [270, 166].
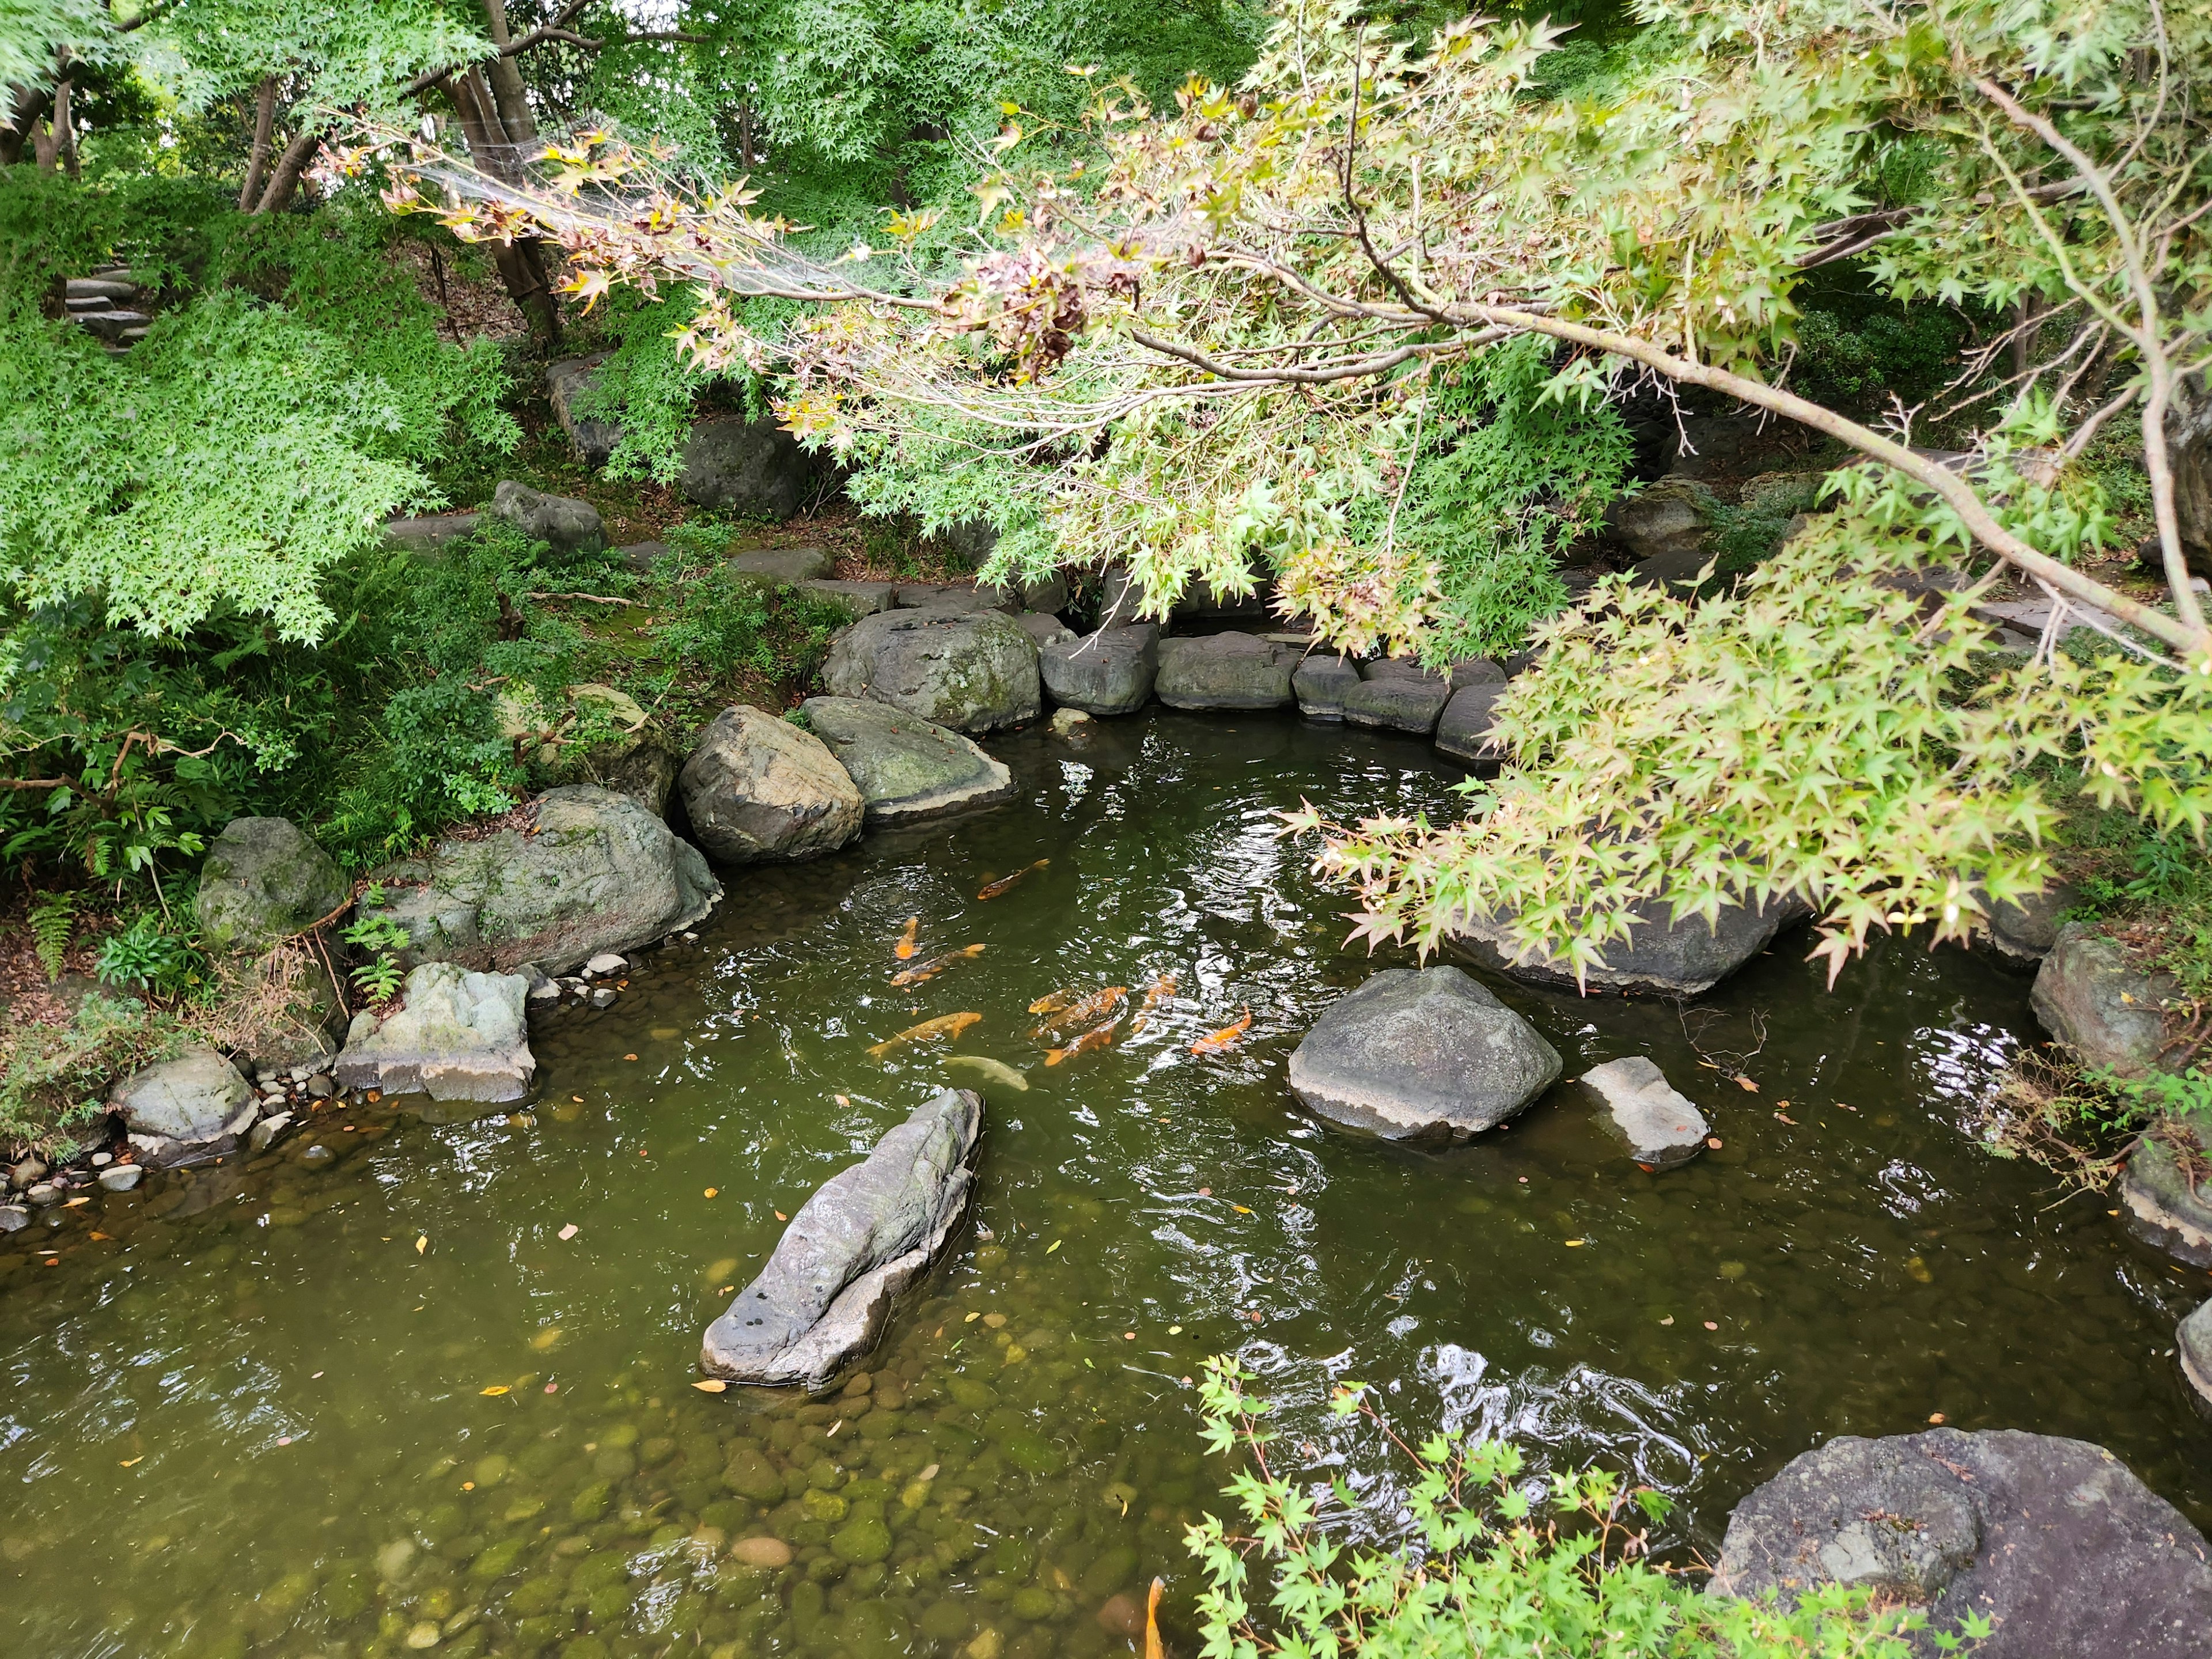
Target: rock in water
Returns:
[1661, 1126]
[865, 1236]
[972, 672]
[565, 523]
[1425, 1055]
[1108, 672]
[2196, 1347]
[196, 1105]
[2094, 999]
[264, 879]
[596, 871]
[459, 1035]
[2055, 1540]
[1678, 958]
[1321, 684]
[905, 767]
[1463, 729]
[1398, 697]
[2163, 1202]
[1225, 671]
[2025, 929]
[760, 790]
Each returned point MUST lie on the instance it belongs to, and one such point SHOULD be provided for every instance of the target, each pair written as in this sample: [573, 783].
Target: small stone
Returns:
[1065, 721]
[267, 1130]
[1661, 1126]
[1120, 1615]
[31, 1170]
[603, 997]
[765, 1552]
[13, 1217]
[321, 1087]
[121, 1177]
[45, 1193]
[605, 963]
[424, 1635]
[318, 1154]
[102, 1160]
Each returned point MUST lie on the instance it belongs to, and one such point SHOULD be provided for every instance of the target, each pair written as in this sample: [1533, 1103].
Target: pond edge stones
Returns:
[1423, 1054]
[907, 768]
[867, 1233]
[2055, 1539]
[194, 1105]
[2194, 1342]
[458, 1036]
[758, 789]
[1661, 1126]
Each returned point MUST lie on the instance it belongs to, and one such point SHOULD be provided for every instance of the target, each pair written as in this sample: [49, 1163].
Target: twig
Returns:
[593, 598]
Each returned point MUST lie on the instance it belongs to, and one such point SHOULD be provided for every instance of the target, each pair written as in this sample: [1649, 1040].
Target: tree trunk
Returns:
[520, 266]
[256, 164]
[46, 141]
[26, 105]
[285, 179]
[511, 100]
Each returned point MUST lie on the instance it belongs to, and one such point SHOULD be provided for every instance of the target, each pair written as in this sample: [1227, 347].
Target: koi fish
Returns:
[989, 1069]
[1003, 882]
[1153, 1650]
[1052, 1003]
[904, 949]
[935, 966]
[1162, 989]
[1096, 1037]
[1094, 1006]
[945, 1025]
[1222, 1041]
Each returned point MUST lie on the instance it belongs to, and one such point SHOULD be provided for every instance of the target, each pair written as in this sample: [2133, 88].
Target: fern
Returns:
[53, 921]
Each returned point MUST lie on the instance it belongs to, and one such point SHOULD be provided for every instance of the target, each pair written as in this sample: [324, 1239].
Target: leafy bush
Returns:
[50, 1075]
[151, 955]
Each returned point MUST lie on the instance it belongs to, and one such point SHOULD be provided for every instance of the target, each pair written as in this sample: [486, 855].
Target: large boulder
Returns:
[263, 880]
[566, 525]
[570, 383]
[1463, 729]
[2165, 1199]
[2055, 1542]
[759, 790]
[1321, 684]
[1397, 696]
[905, 767]
[2025, 929]
[2194, 1339]
[1421, 1056]
[587, 871]
[1656, 1122]
[1107, 673]
[456, 1036]
[2100, 1003]
[196, 1105]
[863, 1237]
[1225, 671]
[975, 673]
[1677, 959]
[750, 467]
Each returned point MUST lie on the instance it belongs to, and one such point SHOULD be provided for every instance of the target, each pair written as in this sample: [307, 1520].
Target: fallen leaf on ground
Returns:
[568, 1232]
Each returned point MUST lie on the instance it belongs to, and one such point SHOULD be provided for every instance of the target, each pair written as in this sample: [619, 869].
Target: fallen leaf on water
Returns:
[712, 1385]
[1743, 1082]
[103, 1236]
[1225, 1039]
[568, 1232]
[1206, 1192]
[711, 1191]
[551, 1388]
[1711, 1326]
[1783, 1104]
[1935, 1417]
[779, 1215]
[1668, 1320]
[423, 1243]
[840, 1100]
[1713, 1141]
[546, 1338]
[133, 1462]
[1577, 1243]
[904, 948]
[1240, 1209]
[1786, 1118]
[629, 1056]
[1050, 1248]
[73, 1203]
[495, 1389]
[971, 1319]
[1842, 1108]
[993, 888]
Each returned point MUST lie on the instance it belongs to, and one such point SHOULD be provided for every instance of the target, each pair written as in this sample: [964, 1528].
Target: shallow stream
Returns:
[360, 1396]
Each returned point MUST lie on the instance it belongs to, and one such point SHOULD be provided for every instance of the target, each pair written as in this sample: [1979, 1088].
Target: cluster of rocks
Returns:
[108, 305]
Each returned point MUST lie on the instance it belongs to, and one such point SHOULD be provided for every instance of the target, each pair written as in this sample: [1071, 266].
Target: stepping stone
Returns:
[786, 565]
[1322, 684]
[859, 598]
[1463, 729]
[1661, 1126]
[1108, 672]
[425, 536]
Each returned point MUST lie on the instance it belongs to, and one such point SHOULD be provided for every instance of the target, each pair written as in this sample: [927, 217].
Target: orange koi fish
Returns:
[1053, 1002]
[1094, 1006]
[945, 1025]
[904, 949]
[1222, 1041]
[1162, 989]
[1153, 1650]
[935, 965]
[1098, 1036]
[1003, 882]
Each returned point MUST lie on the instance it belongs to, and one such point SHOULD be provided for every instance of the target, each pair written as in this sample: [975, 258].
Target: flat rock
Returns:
[193, 1106]
[2165, 1199]
[2024, 930]
[2194, 1340]
[1397, 697]
[2055, 1540]
[589, 871]
[427, 536]
[972, 672]
[1042, 627]
[569, 383]
[1108, 672]
[859, 598]
[2095, 998]
[1322, 684]
[1421, 1056]
[1476, 671]
[263, 880]
[564, 523]
[643, 556]
[1463, 728]
[754, 468]
[457, 1035]
[954, 600]
[1659, 1125]
[905, 767]
[759, 790]
[121, 1177]
[1676, 958]
[863, 1237]
[1225, 671]
[782, 565]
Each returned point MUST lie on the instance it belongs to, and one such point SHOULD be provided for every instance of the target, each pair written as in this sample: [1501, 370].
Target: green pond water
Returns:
[359, 1396]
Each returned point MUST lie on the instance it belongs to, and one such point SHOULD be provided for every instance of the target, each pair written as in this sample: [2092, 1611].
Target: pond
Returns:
[369, 1393]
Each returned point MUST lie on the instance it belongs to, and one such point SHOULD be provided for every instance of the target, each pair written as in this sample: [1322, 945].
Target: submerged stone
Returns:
[1661, 1126]
[861, 1239]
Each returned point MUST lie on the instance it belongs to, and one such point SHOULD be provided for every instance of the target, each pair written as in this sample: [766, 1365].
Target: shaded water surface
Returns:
[359, 1396]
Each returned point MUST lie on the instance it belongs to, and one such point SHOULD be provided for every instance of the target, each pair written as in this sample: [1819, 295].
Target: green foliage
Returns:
[53, 923]
[715, 623]
[1499, 1563]
[51, 1076]
[153, 955]
[380, 977]
[1748, 532]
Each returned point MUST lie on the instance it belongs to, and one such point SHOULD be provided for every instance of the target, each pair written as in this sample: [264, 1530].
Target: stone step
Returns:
[98, 287]
[113, 324]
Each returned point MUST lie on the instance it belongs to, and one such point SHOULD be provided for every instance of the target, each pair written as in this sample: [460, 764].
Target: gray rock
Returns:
[267, 1131]
[750, 467]
[28, 1171]
[44, 1195]
[566, 525]
[102, 289]
[2025, 929]
[264, 879]
[760, 791]
[594, 438]
[1049, 596]
[320, 1087]
[13, 1217]
[859, 598]
[602, 997]
[1322, 684]
[952, 599]
[867, 1234]
[974, 672]
[1427, 1055]
[597, 873]
[643, 556]
[1463, 729]
[971, 539]
[2094, 999]
[783, 566]
[195, 1105]
[2055, 1540]
[1677, 959]
[1225, 671]
[1202, 603]
[1044, 628]
[905, 767]
[1476, 671]
[605, 963]
[1108, 672]
[1068, 722]
[2194, 1340]
[458, 1036]
[1397, 697]
[1663, 527]
[426, 538]
[1661, 1126]
[122, 1177]
[2163, 1202]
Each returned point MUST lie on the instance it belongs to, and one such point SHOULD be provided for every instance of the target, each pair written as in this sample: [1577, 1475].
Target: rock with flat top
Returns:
[1463, 729]
[758, 790]
[1225, 671]
[2096, 999]
[973, 671]
[1658, 1124]
[1397, 696]
[457, 1036]
[2165, 1198]
[1675, 957]
[858, 599]
[862, 1238]
[785, 567]
[905, 767]
[1105, 673]
[1321, 684]
[2025, 929]
[194, 1106]
[564, 523]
